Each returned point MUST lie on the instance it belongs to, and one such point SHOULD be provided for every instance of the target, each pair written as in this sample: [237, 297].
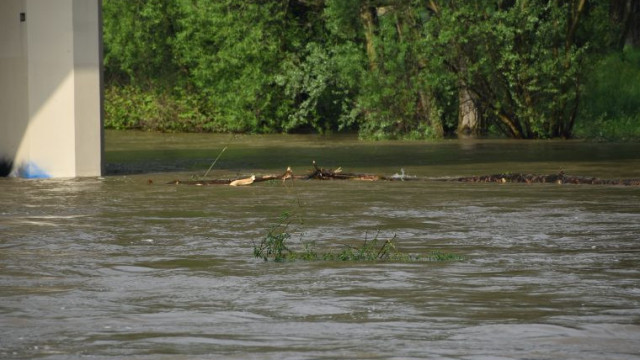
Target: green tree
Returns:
[389, 68]
[523, 63]
[138, 36]
[393, 96]
[228, 50]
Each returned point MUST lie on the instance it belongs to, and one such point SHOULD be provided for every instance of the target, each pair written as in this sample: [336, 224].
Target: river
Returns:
[129, 267]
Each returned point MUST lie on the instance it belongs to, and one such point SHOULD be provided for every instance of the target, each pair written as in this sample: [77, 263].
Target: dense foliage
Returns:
[386, 68]
[611, 102]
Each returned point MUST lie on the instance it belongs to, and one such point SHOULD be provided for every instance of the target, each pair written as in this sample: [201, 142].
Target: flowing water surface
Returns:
[121, 268]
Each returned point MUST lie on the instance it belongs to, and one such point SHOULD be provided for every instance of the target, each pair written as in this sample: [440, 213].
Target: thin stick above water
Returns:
[214, 162]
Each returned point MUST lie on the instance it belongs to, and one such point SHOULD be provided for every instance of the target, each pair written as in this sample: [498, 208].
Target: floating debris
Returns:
[319, 173]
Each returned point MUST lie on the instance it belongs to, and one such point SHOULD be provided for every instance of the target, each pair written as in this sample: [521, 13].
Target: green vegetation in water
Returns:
[274, 247]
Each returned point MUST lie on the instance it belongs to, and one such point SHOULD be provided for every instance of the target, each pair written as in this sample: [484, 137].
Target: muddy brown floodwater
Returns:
[116, 268]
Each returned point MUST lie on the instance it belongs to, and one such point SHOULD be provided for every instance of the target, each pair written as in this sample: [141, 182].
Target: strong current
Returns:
[127, 266]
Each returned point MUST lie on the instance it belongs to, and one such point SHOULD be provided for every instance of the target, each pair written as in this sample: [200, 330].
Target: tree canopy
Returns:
[384, 68]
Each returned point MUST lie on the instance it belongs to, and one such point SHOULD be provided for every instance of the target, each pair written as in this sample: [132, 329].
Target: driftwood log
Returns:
[319, 173]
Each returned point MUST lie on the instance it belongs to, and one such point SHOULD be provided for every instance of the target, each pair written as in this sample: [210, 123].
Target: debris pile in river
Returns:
[319, 173]
[560, 178]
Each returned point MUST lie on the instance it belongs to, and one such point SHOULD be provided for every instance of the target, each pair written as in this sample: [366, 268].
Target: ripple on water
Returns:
[117, 268]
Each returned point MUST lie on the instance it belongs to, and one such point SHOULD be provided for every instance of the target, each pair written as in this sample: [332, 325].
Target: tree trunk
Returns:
[468, 113]
[367, 15]
[575, 12]
[626, 13]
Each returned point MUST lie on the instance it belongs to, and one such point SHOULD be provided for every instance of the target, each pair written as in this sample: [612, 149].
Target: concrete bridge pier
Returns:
[50, 88]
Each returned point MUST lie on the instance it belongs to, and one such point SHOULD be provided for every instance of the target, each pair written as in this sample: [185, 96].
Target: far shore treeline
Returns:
[381, 68]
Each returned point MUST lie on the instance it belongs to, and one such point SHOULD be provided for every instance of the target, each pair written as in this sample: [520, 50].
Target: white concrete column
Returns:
[53, 122]
[14, 110]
